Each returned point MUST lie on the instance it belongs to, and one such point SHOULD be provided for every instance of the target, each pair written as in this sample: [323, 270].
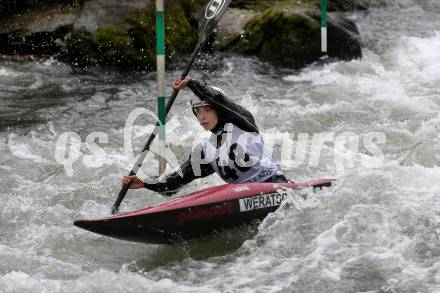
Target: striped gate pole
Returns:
[160, 64]
[324, 26]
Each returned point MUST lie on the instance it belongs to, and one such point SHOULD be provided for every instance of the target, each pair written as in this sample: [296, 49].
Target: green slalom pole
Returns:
[324, 26]
[160, 62]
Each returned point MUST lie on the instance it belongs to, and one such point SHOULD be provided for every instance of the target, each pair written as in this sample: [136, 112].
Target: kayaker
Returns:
[235, 150]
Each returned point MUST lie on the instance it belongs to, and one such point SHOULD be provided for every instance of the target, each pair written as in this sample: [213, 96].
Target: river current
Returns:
[376, 230]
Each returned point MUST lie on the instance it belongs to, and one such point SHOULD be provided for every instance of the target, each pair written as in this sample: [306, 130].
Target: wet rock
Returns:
[39, 21]
[231, 26]
[131, 43]
[344, 40]
[79, 51]
[14, 7]
[289, 33]
[37, 31]
[96, 14]
[348, 5]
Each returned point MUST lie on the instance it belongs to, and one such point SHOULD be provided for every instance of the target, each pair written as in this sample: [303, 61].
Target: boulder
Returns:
[347, 5]
[15, 7]
[231, 26]
[36, 31]
[290, 33]
[131, 43]
[356, 5]
[96, 14]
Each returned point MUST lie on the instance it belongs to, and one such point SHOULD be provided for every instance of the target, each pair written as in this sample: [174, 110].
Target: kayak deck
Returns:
[199, 213]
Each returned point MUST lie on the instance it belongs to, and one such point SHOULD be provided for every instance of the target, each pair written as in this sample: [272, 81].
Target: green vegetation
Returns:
[180, 36]
[115, 47]
[131, 44]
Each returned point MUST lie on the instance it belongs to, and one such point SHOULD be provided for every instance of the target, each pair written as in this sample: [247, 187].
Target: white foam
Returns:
[397, 79]
[24, 151]
[6, 72]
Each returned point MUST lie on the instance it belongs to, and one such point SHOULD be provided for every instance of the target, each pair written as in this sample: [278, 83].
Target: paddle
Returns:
[213, 12]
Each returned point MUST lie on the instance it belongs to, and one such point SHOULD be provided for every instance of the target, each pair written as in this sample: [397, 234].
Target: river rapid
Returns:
[376, 230]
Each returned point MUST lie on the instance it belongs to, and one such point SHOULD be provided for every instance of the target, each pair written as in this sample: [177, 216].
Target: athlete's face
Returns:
[207, 117]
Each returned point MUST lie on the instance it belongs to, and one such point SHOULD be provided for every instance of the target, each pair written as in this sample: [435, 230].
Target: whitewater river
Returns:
[376, 230]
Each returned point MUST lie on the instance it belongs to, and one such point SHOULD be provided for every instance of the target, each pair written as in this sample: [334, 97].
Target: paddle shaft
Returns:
[146, 148]
[212, 14]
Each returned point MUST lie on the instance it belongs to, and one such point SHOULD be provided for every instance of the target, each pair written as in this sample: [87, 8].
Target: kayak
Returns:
[199, 213]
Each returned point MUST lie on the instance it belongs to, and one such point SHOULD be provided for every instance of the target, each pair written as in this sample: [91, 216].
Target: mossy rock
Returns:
[180, 36]
[280, 31]
[115, 47]
[79, 50]
[289, 33]
[192, 10]
[131, 44]
[38, 43]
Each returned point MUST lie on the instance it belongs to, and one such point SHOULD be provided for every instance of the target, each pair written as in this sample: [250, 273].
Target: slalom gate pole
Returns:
[324, 26]
[160, 62]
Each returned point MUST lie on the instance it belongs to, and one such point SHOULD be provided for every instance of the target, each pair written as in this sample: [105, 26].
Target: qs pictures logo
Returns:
[213, 8]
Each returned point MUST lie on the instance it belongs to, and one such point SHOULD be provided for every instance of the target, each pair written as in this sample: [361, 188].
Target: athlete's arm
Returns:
[174, 181]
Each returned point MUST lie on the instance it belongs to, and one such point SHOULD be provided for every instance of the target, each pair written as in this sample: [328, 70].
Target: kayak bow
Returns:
[199, 213]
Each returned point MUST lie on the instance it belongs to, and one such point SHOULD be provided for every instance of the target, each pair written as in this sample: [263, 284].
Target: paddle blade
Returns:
[212, 14]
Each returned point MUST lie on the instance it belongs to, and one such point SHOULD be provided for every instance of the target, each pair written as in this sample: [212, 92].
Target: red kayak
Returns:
[199, 213]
